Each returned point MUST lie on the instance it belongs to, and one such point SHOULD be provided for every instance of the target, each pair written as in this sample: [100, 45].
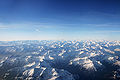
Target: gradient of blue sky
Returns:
[59, 19]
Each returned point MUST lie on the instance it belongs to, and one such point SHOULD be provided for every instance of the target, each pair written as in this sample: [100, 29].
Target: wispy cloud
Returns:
[26, 25]
[37, 30]
[107, 31]
[7, 26]
[105, 25]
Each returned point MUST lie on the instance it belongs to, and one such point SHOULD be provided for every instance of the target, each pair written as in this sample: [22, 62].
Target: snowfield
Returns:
[60, 60]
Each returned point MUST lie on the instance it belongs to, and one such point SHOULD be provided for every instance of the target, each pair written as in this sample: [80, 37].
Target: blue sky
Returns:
[59, 19]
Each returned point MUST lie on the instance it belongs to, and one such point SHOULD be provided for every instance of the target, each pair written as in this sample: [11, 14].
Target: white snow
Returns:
[1, 61]
[41, 58]
[99, 62]
[29, 65]
[116, 49]
[61, 53]
[53, 78]
[117, 63]
[110, 58]
[107, 50]
[29, 72]
[27, 58]
[43, 69]
[88, 64]
[51, 58]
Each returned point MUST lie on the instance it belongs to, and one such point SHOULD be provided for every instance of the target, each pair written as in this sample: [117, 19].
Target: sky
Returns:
[59, 20]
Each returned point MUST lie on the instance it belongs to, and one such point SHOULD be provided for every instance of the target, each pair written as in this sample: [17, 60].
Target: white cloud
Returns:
[26, 25]
[107, 31]
[37, 30]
